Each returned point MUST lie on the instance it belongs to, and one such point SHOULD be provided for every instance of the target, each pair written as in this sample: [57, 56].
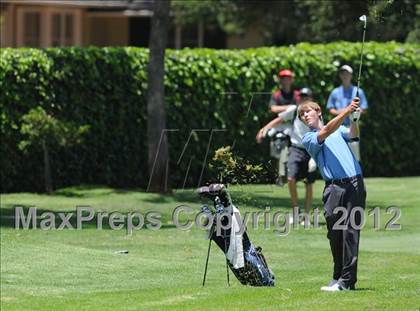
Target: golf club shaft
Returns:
[361, 62]
[227, 268]
[208, 254]
[227, 272]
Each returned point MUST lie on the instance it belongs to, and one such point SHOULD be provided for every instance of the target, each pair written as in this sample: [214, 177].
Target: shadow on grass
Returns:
[364, 289]
[8, 219]
[92, 191]
[240, 197]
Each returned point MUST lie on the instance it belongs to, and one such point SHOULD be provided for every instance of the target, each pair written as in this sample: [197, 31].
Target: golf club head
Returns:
[363, 19]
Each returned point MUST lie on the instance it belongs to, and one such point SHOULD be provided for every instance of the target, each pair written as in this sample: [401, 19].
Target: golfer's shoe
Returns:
[331, 283]
[337, 287]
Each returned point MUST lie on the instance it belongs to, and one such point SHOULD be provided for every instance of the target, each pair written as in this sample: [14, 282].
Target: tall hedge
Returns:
[223, 90]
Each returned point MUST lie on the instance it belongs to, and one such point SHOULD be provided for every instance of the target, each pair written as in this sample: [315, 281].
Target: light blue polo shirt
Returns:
[340, 98]
[333, 157]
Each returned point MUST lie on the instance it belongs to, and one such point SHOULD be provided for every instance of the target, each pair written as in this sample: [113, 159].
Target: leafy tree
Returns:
[44, 130]
[292, 21]
[397, 20]
[231, 16]
[414, 35]
[331, 20]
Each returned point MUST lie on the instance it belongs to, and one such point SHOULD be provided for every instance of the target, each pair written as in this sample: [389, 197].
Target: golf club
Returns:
[364, 20]
[206, 208]
[356, 114]
[208, 255]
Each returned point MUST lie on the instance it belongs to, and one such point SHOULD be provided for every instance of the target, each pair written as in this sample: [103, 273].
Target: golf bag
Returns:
[251, 268]
[280, 140]
[279, 143]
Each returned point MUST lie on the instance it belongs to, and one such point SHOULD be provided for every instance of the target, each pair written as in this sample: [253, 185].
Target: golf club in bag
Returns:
[245, 261]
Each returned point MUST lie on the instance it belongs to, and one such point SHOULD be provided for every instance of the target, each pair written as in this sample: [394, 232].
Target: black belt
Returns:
[343, 181]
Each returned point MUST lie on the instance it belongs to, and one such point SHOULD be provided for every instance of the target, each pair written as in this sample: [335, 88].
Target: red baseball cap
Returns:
[286, 73]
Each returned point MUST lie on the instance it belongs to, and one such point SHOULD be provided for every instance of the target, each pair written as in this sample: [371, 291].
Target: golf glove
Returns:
[311, 166]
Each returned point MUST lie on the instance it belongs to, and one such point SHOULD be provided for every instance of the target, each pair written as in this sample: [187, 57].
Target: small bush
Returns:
[233, 170]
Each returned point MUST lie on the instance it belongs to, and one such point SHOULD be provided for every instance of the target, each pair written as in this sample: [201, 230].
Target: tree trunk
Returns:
[47, 169]
[157, 142]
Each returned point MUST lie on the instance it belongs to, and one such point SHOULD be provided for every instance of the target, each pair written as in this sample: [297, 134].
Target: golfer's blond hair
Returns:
[307, 105]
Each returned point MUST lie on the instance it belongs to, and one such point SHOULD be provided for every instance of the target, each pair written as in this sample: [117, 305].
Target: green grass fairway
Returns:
[79, 269]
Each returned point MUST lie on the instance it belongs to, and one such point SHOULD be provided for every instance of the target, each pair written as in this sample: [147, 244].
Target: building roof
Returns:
[121, 4]
[125, 7]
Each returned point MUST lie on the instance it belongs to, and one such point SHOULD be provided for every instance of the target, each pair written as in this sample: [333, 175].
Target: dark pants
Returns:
[344, 242]
[297, 165]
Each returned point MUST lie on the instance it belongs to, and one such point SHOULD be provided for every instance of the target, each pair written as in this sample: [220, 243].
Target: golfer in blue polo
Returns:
[344, 190]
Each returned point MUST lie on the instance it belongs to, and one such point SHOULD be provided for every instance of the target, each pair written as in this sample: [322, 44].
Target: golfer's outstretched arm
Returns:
[279, 108]
[335, 123]
[269, 125]
[273, 123]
